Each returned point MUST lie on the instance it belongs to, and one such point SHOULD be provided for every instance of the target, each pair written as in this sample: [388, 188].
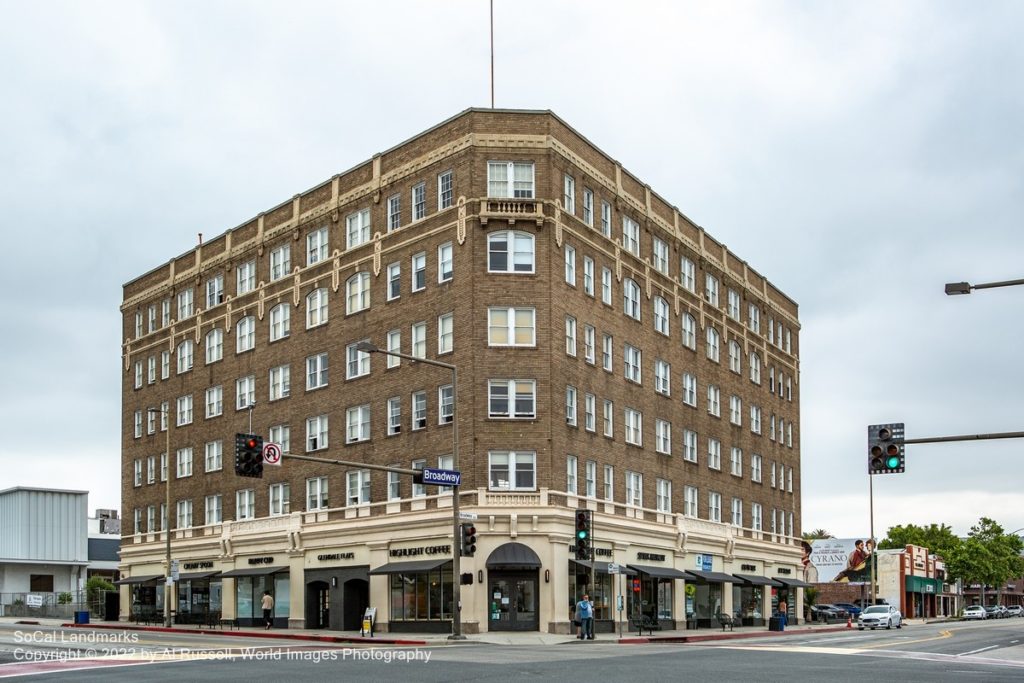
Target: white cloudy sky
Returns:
[860, 154]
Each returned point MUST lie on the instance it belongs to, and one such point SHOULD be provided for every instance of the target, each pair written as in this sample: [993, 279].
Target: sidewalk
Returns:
[420, 639]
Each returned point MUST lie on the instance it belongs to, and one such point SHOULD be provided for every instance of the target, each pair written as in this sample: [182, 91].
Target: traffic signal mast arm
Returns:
[350, 463]
[967, 437]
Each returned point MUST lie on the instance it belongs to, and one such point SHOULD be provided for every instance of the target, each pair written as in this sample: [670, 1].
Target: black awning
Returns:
[602, 567]
[138, 579]
[711, 577]
[254, 571]
[414, 567]
[660, 572]
[792, 583]
[196, 576]
[754, 580]
[513, 556]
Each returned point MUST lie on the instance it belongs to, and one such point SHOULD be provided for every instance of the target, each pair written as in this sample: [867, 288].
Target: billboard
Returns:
[839, 560]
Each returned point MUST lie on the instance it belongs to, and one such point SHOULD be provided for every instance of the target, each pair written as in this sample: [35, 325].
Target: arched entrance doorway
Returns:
[512, 585]
[356, 599]
[318, 604]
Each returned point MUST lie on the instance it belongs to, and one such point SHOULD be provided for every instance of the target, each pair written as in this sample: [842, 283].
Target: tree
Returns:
[817, 533]
[988, 557]
[938, 538]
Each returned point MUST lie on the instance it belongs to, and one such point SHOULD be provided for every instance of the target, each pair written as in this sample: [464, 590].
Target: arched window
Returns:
[316, 307]
[185, 356]
[735, 360]
[755, 367]
[689, 331]
[357, 293]
[661, 315]
[245, 334]
[713, 343]
[214, 345]
[510, 251]
[631, 298]
[280, 321]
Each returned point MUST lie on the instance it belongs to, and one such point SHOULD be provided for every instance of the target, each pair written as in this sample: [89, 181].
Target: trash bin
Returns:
[82, 617]
[775, 624]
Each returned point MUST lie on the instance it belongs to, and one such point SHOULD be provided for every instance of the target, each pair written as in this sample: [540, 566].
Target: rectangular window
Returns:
[317, 371]
[499, 257]
[357, 424]
[736, 461]
[394, 281]
[512, 398]
[280, 499]
[711, 289]
[660, 250]
[588, 275]
[714, 401]
[664, 495]
[687, 274]
[316, 246]
[606, 219]
[245, 504]
[606, 286]
[215, 291]
[445, 267]
[569, 195]
[737, 512]
[316, 433]
[165, 312]
[689, 445]
[735, 410]
[445, 404]
[394, 485]
[755, 468]
[419, 201]
[733, 304]
[245, 280]
[281, 435]
[214, 459]
[184, 514]
[357, 228]
[358, 488]
[632, 357]
[445, 333]
[662, 377]
[316, 493]
[634, 489]
[214, 348]
[419, 340]
[606, 352]
[714, 454]
[152, 318]
[663, 437]
[418, 490]
[590, 412]
[715, 507]
[631, 235]
[690, 501]
[184, 410]
[357, 363]
[138, 472]
[511, 327]
[185, 304]
[609, 482]
[508, 179]
[419, 410]
[280, 262]
[394, 212]
[395, 346]
[755, 419]
[570, 406]
[280, 321]
[609, 410]
[590, 479]
[588, 206]
[570, 265]
[184, 463]
[589, 344]
[634, 427]
[512, 470]
[755, 517]
[214, 509]
[419, 271]
[570, 336]
[280, 382]
[394, 415]
[444, 190]
[570, 474]
[754, 318]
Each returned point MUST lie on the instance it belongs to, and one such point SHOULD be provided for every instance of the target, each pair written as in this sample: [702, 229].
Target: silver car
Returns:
[879, 616]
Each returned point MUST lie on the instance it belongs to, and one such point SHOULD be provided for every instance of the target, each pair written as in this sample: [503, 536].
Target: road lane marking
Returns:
[942, 635]
[974, 652]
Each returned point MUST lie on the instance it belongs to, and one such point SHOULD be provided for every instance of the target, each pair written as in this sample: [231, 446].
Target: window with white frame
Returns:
[139, 373]
[632, 357]
[736, 461]
[690, 501]
[165, 312]
[755, 367]
[512, 470]
[510, 179]
[184, 410]
[184, 514]
[357, 228]
[754, 318]
[394, 281]
[357, 363]
[316, 307]
[245, 334]
[789, 342]
[570, 335]
[755, 419]
[735, 357]
[711, 289]
[214, 292]
[163, 467]
[664, 495]
[280, 382]
[689, 445]
[394, 415]
[418, 348]
[214, 458]
[733, 304]
[570, 474]
[663, 437]
[214, 509]
[789, 435]
[735, 410]
[138, 472]
[151, 421]
[358, 488]
[569, 194]
[771, 330]
[445, 333]
[588, 276]
[357, 293]
[280, 262]
[394, 485]
[609, 482]
[214, 345]
[316, 433]
[755, 468]
[394, 345]
[661, 315]
[631, 235]
[510, 251]
[138, 424]
[419, 271]
[634, 488]
[445, 263]
[606, 219]
[185, 306]
[588, 206]
[151, 324]
[590, 412]
[418, 490]
[606, 286]
[687, 274]
[511, 326]
[689, 331]
[512, 398]
[445, 404]
[714, 400]
[394, 212]
[444, 190]
[771, 380]
[245, 392]
[280, 321]
[316, 493]
[151, 469]
[634, 427]
[755, 516]
[714, 454]
[660, 253]
[772, 475]
[771, 427]
[316, 246]
[185, 356]
[690, 389]
[419, 201]
[245, 504]
[789, 389]
[715, 506]
[631, 298]
[419, 410]
[280, 499]
[317, 371]
[245, 277]
[589, 344]
[164, 412]
[737, 512]
[570, 265]
[357, 424]
[789, 480]
[606, 352]
[570, 406]
[609, 417]
[713, 344]
[590, 479]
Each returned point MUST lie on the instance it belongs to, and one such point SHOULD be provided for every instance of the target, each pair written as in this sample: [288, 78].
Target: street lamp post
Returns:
[167, 506]
[367, 347]
[954, 288]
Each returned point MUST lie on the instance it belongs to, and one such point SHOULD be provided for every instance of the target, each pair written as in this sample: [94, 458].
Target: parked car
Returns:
[1015, 611]
[993, 611]
[975, 612]
[837, 612]
[1003, 612]
[880, 616]
[851, 609]
[823, 614]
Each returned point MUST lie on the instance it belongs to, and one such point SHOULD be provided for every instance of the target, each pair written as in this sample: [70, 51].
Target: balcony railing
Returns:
[512, 210]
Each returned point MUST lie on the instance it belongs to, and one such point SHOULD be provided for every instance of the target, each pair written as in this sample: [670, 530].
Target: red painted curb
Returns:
[256, 634]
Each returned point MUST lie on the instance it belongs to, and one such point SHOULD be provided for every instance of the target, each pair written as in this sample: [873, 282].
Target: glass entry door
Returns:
[512, 601]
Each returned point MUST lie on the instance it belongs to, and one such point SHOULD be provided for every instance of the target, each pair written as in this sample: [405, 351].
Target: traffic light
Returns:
[886, 450]
[584, 532]
[468, 542]
[636, 585]
[249, 455]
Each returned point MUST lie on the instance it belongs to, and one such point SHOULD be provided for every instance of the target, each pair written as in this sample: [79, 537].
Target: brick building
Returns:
[611, 355]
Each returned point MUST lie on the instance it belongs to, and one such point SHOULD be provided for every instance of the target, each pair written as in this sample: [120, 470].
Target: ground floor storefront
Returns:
[332, 573]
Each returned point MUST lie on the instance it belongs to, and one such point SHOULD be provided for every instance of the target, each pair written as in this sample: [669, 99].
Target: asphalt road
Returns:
[983, 651]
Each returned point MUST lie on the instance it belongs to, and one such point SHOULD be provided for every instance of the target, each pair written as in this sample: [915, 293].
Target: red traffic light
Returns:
[250, 444]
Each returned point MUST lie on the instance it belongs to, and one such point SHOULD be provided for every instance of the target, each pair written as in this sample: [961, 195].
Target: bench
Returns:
[229, 623]
[726, 621]
[644, 622]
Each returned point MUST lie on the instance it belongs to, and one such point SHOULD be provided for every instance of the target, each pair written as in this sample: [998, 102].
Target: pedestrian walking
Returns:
[585, 615]
[268, 609]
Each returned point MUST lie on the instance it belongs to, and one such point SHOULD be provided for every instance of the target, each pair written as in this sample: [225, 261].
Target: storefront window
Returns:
[654, 599]
[422, 596]
[747, 604]
[282, 596]
[602, 594]
[707, 601]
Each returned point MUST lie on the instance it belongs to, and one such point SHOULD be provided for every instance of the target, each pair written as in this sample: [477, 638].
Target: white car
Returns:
[879, 616]
[1015, 611]
[975, 612]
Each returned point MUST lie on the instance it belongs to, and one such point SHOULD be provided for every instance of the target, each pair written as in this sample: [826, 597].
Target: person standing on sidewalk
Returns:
[268, 609]
[585, 615]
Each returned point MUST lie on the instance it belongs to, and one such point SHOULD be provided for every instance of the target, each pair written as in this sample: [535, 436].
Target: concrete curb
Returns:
[710, 637]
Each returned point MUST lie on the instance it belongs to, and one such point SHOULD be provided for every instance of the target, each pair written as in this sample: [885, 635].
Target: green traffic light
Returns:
[582, 533]
[892, 462]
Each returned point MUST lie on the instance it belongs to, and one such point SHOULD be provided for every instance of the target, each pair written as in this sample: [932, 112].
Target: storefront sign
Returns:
[262, 560]
[603, 552]
[785, 570]
[748, 567]
[655, 557]
[336, 556]
[422, 550]
[704, 562]
[204, 564]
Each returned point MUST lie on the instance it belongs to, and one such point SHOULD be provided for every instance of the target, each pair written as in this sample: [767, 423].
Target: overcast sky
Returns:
[859, 154]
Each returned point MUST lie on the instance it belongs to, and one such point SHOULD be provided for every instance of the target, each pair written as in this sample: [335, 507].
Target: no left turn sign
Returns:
[272, 454]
